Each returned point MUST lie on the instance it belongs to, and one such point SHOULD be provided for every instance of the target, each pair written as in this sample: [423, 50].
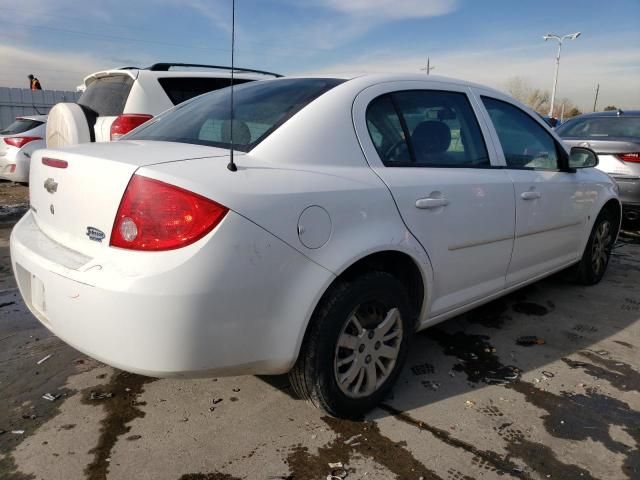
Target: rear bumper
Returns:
[237, 303]
[629, 187]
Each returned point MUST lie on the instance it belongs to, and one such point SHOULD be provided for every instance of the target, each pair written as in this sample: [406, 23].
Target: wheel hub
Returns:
[600, 247]
[367, 349]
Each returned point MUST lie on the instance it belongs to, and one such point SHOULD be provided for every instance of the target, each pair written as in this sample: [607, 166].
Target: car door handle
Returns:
[431, 202]
[530, 195]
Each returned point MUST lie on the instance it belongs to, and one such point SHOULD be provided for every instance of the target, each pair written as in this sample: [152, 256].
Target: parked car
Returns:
[362, 209]
[17, 143]
[116, 101]
[615, 136]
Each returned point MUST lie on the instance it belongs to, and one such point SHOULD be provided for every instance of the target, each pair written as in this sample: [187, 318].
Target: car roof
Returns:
[374, 78]
[611, 113]
[360, 81]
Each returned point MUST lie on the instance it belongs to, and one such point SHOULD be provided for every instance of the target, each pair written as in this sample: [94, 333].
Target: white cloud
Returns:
[56, 71]
[217, 12]
[617, 71]
[393, 9]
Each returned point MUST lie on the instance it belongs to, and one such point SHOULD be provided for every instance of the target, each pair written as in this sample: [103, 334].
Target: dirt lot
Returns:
[574, 413]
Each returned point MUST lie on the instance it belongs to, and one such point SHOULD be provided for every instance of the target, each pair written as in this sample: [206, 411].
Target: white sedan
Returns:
[17, 143]
[362, 210]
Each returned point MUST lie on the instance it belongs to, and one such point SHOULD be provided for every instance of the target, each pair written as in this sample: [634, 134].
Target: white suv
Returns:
[116, 101]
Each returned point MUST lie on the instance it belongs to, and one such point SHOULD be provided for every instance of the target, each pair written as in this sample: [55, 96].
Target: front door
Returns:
[427, 145]
[551, 202]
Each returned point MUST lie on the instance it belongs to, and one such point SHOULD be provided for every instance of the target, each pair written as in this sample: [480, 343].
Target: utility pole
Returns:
[428, 68]
[596, 100]
[551, 36]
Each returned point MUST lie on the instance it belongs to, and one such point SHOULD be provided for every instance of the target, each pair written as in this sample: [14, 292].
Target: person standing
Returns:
[34, 82]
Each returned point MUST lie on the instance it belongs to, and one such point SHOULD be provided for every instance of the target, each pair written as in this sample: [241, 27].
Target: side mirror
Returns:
[582, 157]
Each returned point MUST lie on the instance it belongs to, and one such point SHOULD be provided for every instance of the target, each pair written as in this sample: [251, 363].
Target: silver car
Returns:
[615, 136]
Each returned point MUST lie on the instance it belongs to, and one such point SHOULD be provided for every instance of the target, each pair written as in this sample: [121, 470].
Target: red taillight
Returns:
[629, 157]
[20, 141]
[54, 162]
[154, 215]
[127, 122]
[12, 168]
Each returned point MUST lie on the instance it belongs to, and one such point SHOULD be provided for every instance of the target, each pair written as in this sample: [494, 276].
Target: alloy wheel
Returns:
[601, 247]
[367, 349]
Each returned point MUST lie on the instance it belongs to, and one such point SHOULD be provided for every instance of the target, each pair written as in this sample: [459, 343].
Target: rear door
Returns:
[552, 203]
[105, 98]
[425, 142]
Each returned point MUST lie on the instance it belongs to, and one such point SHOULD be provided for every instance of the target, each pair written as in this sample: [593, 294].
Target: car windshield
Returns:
[259, 109]
[21, 125]
[601, 127]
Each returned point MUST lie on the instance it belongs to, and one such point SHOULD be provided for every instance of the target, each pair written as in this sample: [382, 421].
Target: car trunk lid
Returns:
[75, 192]
[610, 145]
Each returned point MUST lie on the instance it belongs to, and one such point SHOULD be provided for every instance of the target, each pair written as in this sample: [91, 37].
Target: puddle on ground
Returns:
[490, 315]
[477, 358]
[208, 476]
[588, 416]
[620, 375]
[121, 408]
[530, 308]
[368, 443]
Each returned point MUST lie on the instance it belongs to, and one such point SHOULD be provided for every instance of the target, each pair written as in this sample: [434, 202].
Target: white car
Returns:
[17, 143]
[362, 209]
[114, 102]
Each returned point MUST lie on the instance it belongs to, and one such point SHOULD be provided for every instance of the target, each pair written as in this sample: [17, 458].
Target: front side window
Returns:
[425, 128]
[259, 109]
[525, 143]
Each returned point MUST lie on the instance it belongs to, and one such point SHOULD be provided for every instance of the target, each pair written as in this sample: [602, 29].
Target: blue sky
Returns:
[487, 41]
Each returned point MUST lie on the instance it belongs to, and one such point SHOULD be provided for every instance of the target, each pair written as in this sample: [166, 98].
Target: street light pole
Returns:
[559, 39]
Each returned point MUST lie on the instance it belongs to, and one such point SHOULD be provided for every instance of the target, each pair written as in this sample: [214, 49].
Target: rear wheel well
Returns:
[398, 264]
[614, 209]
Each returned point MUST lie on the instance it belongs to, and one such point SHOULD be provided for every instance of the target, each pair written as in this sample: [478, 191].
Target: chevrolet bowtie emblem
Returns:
[51, 185]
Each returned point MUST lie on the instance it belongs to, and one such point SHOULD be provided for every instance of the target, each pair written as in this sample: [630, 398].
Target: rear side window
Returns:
[525, 143]
[426, 128]
[260, 108]
[21, 125]
[181, 89]
[601, 127]
[107, 96]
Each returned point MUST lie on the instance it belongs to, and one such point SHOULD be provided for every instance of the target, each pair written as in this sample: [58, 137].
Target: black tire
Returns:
[314, 376]
[597, 253]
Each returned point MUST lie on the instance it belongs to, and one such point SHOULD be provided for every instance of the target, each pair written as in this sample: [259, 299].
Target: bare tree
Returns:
[521, 90]
[610, 108]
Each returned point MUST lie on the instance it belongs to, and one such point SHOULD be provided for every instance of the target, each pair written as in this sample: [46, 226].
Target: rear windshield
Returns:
[107, 96]
[21, 125]
[260, 108]
[181, 89]
[601, 127]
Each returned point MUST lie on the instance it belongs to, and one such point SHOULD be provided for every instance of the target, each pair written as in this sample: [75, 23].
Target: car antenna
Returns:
[231, 165]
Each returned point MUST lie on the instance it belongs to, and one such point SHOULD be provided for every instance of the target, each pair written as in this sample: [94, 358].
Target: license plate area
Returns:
[38, 298]
[33, 292]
